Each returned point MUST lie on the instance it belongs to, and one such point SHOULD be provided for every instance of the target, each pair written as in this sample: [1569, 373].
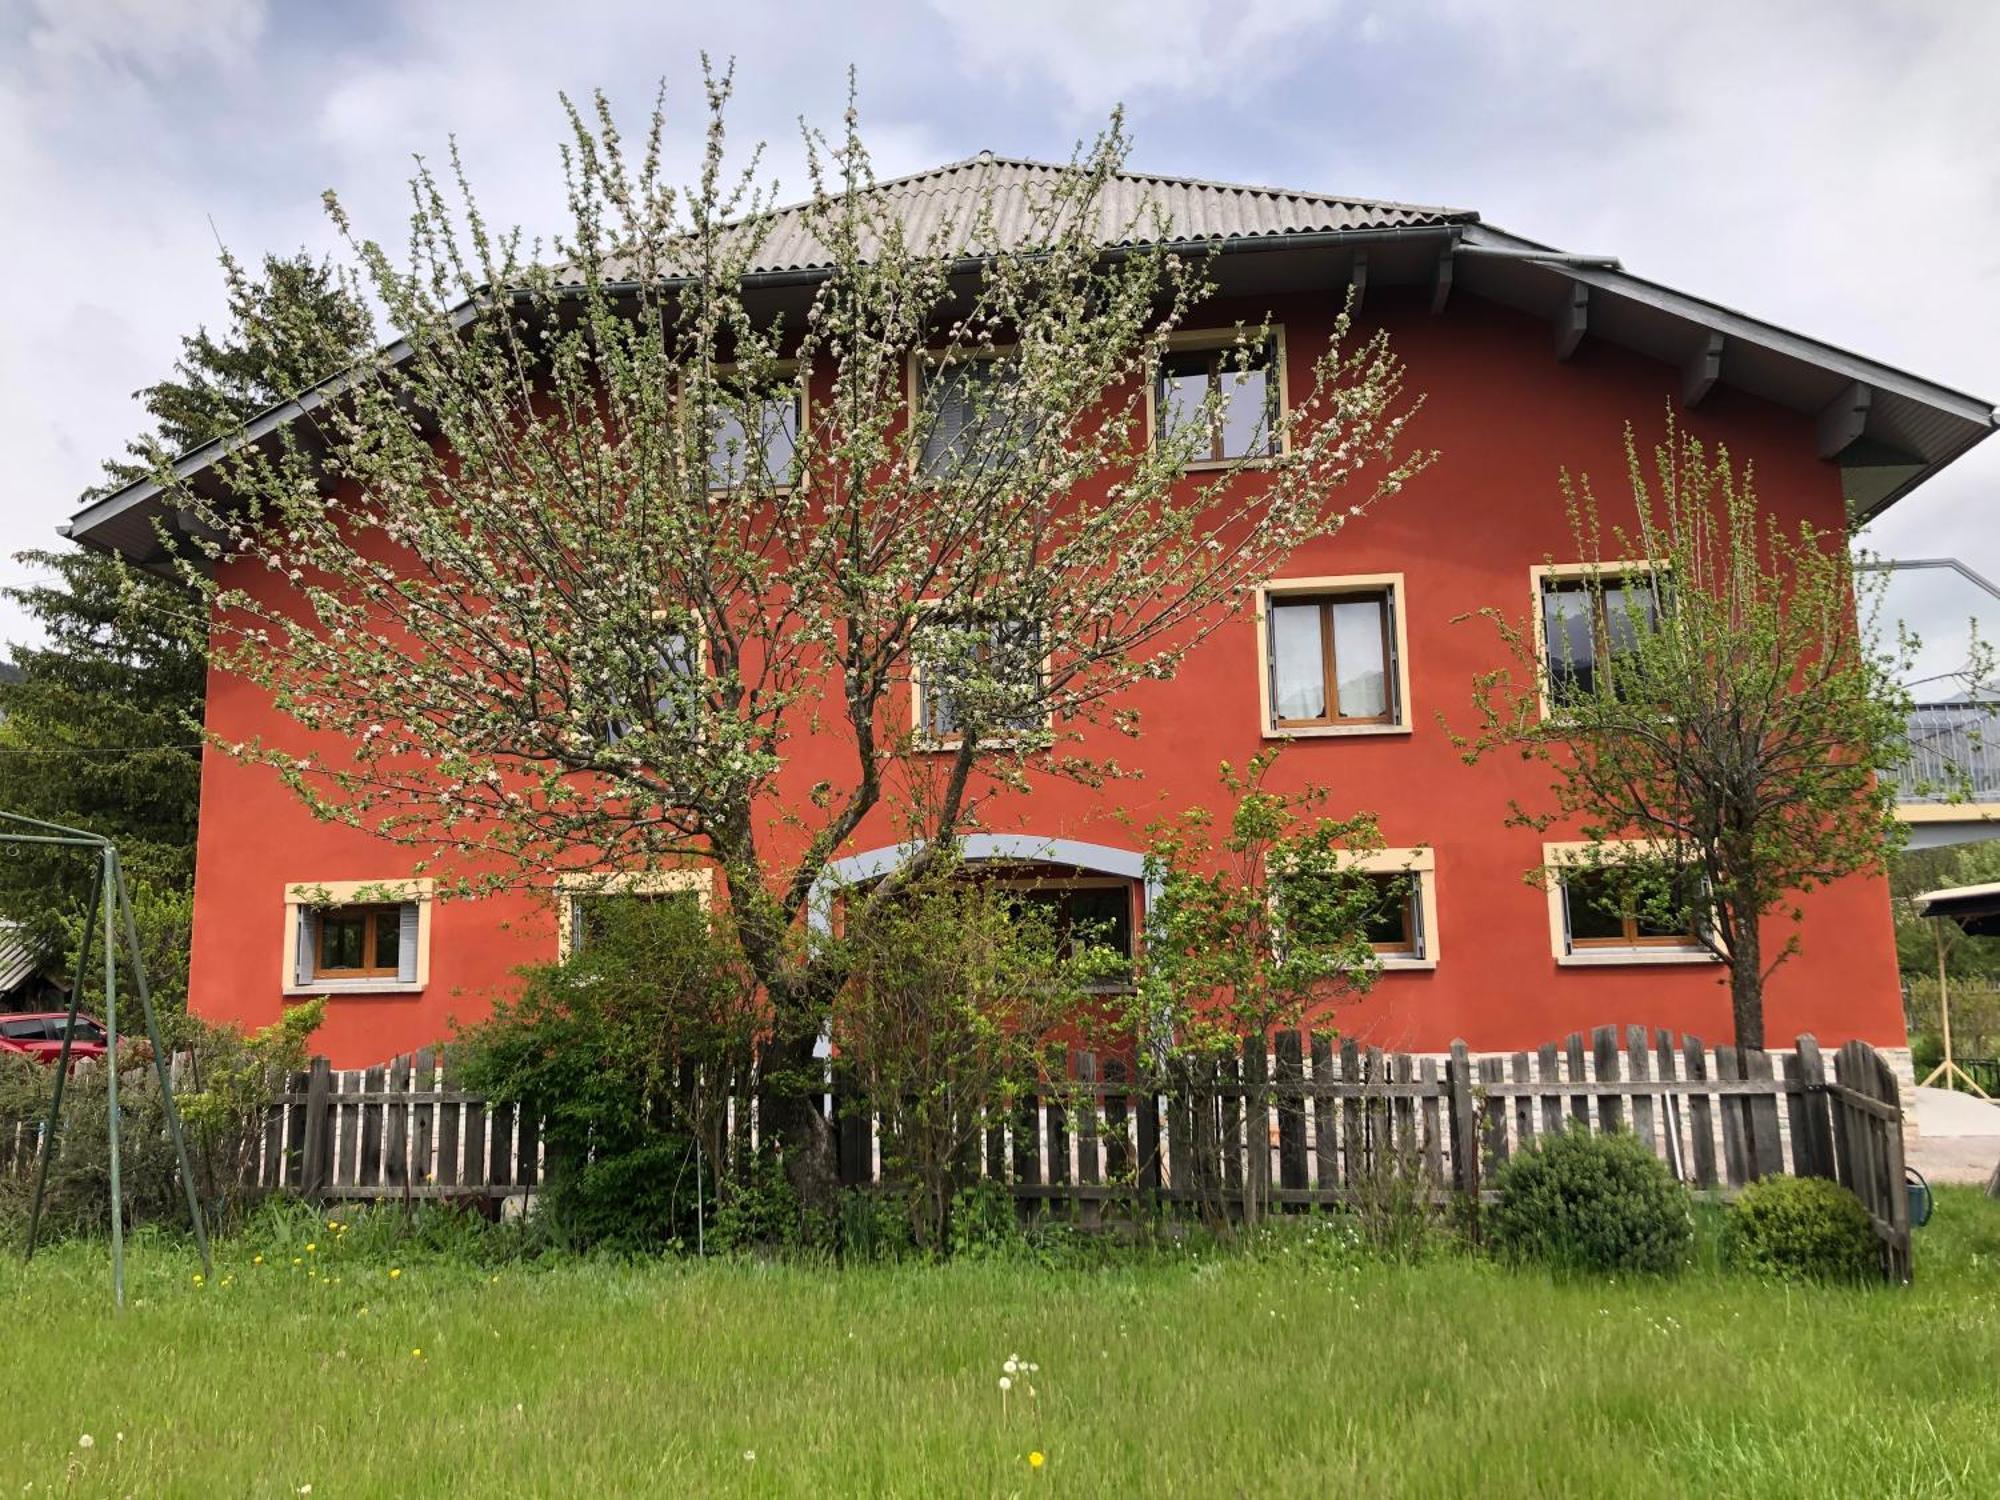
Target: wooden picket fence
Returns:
[1299, 1122]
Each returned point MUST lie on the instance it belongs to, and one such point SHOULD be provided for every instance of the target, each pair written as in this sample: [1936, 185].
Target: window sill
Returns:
[338, 987]
[777, 491]
[1408, 965]
[1247, 461]
[950, 747]
[1607, 957]
[1334, 731]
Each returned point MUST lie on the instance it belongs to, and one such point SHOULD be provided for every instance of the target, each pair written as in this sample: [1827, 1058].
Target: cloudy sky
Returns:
[1828, 165]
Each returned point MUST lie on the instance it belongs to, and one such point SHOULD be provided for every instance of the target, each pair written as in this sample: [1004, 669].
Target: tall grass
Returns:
[360, 1363]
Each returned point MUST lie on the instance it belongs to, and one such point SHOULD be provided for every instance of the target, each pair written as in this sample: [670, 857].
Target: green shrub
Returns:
[1585, 1202]
[758, 1211]
[223, 1120]
[1926, 1052]
[1802, 1227]
[984, 1222]
[623, 1050]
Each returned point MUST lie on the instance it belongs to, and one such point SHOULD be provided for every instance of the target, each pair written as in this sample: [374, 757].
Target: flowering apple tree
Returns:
[560, 578]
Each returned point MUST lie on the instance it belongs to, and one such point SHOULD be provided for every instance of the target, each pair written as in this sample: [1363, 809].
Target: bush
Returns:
[1802, 1227]
[626, 1050]
[959, 997]
[1587, 1202]
[1926, 1052]
[221, 1100]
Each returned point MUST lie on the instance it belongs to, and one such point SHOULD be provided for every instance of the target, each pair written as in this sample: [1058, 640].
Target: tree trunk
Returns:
[812, 1164]
[1746, 983]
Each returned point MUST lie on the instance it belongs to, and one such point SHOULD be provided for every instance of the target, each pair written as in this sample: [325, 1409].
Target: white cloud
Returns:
[149, 36]
[1125, 51]
[1824, 165]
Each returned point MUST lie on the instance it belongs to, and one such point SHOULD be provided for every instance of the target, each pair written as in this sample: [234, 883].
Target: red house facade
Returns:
[1529, 361]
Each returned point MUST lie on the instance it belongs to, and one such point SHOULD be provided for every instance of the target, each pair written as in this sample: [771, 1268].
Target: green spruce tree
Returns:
[100, 724]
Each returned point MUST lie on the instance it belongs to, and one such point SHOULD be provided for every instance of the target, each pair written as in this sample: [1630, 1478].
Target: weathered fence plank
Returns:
[1325, 1115]
[1767, 1155]
[424, 1118]
[1604, 1053]
[1524, 1106]
[1464, 1124]
[1427, 1080]
[1291, 1111]
[1735, 1145]
[1642, 1104]
[1701, 1115]
[1492, 1118]
[396, 1125]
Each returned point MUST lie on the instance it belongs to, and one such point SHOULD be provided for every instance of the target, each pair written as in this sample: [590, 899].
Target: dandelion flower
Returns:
[86, 1441]
[416, 1354]
[395, 1272]
[1011, 1366]
[256, 1260]
[1037, 1459]
[311, 1247]
[1006, 1382]
[198, 1278]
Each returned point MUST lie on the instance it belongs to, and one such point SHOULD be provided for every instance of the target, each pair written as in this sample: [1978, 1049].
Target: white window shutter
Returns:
[406, 944]
[305, 930]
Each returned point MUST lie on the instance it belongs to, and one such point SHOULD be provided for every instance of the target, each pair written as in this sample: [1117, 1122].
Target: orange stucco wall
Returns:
[1505, 417]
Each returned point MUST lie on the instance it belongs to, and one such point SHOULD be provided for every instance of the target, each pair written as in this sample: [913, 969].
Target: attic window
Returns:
[1233, 391]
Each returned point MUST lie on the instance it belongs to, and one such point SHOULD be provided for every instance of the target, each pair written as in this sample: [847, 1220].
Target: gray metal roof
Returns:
[18, 961]
[1889, 430]
[939, 209]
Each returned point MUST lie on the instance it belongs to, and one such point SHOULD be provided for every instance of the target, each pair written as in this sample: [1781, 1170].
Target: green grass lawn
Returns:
[1302, 1371]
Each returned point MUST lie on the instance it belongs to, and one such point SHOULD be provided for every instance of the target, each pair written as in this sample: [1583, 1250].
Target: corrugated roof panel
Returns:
[945, 203]
[17, 960]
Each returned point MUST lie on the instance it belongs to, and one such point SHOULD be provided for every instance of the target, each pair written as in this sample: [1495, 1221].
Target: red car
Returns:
[39, 1035]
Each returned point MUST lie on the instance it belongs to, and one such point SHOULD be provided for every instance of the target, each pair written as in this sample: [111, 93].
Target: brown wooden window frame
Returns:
[1412, 945]
[372, 915]
[1385, 598]
[1221, 359]
[926, 696]
[1630, 936]
[1595, 590]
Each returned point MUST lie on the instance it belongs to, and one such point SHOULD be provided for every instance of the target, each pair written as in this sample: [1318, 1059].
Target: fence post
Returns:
[1812, 1145]
[1092, 1211]
[315, 1156]
[1256, 1126]
[1604, 1052]
[396, 1126]
[1767, 1152]
[1291, 1111]
[1464, 1127]
[1900, 1266]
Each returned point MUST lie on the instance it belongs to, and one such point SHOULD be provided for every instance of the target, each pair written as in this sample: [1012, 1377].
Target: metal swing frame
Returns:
[110, 896]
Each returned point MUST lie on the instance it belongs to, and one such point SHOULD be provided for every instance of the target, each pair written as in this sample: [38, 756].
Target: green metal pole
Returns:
[62, 1072]
[161, 1063]
[111, 1082]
